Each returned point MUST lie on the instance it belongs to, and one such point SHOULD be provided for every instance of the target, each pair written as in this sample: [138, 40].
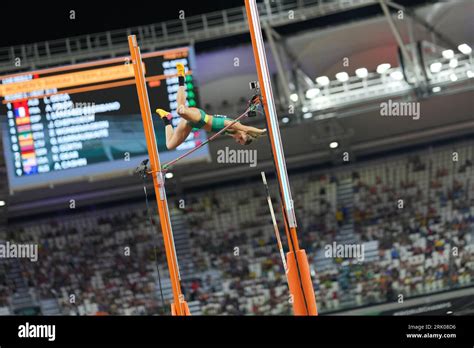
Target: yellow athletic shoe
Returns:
[180, 68]
[162, 113]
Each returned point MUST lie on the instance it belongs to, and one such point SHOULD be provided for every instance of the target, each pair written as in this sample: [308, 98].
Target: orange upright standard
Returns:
[179, 305]
[299, 276]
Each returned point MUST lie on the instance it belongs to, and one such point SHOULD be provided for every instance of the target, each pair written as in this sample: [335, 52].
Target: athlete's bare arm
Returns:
[254, 132]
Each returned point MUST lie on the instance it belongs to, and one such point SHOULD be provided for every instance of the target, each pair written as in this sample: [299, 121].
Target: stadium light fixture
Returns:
[448, 54]
[3, 203]
[169, 175]
[362, 73]
[436, 89]
[465, 48]
[396, 75]
[294, 97]
[342, 76]
[382, 68]
[453, 77]
[470, 74]
[333, 144]
[436, 67]
[322, 80]
[312, 93]
[285, 120]
[453, 63]
[308, 115]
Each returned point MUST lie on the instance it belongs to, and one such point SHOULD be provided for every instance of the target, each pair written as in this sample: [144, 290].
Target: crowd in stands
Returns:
[415, 212]
[5, 289]
[93, 262]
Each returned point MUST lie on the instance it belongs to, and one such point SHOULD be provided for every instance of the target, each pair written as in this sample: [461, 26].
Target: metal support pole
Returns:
[290, 57]
[416, 58]
[448, 42]
[281, 72]
[396, 33]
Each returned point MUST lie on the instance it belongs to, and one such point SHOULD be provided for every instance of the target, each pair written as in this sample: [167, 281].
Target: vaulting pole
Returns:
[299, 276]
[179, 305]
[275, 224]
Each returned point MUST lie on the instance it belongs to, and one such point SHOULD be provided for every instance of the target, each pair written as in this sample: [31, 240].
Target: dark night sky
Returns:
[23, 22]
[39, 21]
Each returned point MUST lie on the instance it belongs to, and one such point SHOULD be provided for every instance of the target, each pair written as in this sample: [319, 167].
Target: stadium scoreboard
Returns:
[86, 117]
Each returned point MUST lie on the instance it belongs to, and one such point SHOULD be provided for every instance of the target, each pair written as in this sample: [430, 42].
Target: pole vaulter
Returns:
[299, 277]
[179, 305]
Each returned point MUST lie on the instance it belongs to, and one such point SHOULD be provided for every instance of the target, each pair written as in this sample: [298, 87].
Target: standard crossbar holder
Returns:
[179, 305]
[299, 276]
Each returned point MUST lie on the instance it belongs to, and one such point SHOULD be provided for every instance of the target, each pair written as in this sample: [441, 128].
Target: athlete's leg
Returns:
[174, 137]
[178, 136]
[189, 114]
[181, 97]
